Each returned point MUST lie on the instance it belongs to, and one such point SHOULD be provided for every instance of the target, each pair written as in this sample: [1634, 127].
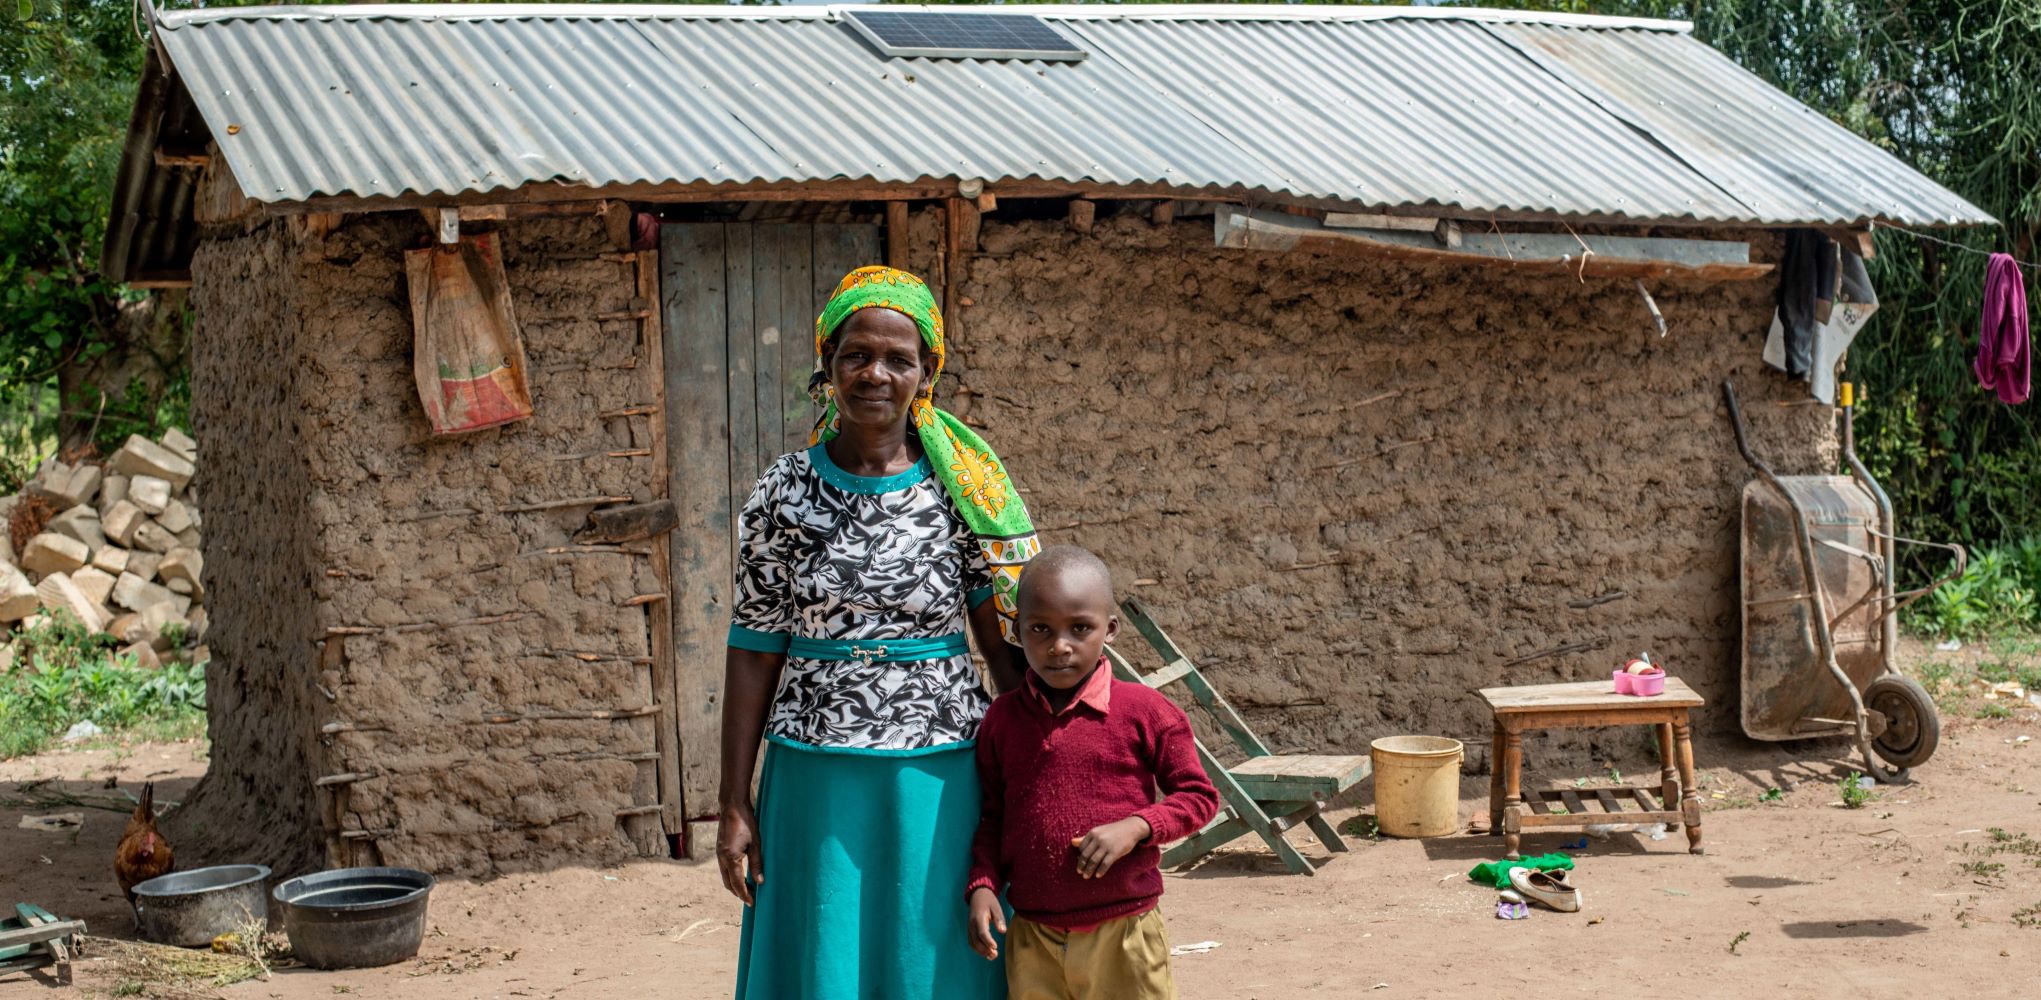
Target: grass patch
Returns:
[2028, 917]
[63, 674]
[1772, 795]
[1994, 710]
[1362, 826]
[1984, 869]
[1853, 792]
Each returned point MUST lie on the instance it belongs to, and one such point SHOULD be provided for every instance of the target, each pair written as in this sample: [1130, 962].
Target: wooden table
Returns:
[1591, 703]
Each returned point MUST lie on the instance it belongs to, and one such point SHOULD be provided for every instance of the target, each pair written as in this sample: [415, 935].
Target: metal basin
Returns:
[189, 909]
[352, 918]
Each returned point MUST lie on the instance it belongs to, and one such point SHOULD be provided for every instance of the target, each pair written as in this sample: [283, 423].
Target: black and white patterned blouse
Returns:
[824, 554]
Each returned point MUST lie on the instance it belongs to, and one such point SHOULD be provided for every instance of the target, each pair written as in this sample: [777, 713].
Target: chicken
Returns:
[143, 854]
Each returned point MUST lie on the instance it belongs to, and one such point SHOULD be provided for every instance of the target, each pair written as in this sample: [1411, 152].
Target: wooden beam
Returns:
[896, 234]
[1163, 213]
[988, 202]
[1376, 220]
[539, 193]
[1580, 256]
[166, 157]
[161, 279]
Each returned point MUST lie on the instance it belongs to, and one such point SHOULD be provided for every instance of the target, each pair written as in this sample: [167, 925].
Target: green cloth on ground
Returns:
[1496, 873]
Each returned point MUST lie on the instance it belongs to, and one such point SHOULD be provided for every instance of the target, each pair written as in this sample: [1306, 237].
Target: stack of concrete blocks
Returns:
[122, 554]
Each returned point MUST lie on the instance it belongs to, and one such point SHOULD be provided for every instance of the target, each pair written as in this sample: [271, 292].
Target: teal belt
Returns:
[871, 651]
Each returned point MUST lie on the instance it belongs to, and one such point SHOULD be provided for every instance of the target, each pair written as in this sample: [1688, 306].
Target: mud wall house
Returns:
[1323, 325]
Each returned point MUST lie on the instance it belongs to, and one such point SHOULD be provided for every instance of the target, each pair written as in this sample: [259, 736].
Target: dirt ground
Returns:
[1834, 902]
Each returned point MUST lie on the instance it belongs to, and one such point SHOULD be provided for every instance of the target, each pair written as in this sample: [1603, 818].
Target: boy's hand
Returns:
[1097, 850]
[986, 917]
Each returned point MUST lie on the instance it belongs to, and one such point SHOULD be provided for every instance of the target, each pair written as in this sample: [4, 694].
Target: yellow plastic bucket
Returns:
[1417, 785]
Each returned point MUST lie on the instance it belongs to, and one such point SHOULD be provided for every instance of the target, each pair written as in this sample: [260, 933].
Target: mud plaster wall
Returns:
[248, 382]
[412, 538]
[1215, 424]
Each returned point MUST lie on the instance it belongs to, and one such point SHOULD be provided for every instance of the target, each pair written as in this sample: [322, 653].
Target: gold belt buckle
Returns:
[864, 655]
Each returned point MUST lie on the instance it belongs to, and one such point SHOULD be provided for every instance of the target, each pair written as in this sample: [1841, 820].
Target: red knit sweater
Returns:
[1050, 778]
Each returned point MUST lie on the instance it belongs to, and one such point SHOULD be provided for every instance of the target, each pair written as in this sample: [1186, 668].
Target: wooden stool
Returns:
[1591, 703]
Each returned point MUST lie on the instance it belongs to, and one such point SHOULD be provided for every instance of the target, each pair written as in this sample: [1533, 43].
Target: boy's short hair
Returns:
[1065, 561]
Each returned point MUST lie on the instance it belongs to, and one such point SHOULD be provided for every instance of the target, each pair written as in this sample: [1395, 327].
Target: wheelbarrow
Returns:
[1811, 545]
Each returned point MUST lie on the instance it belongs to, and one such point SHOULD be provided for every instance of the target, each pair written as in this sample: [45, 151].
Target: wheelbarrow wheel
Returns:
[1912, 729]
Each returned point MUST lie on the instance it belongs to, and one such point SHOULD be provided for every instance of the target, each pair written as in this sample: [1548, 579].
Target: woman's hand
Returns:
[1097, 850]
[736, 844]
[986, 917]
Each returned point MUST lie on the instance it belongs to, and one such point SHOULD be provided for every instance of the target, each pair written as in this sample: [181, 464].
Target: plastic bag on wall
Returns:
[467, 354]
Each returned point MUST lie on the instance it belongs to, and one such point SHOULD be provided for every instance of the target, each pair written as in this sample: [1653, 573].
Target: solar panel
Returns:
[936, 34]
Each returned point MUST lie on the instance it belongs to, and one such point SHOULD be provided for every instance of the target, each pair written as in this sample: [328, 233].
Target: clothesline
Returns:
[1966, 248]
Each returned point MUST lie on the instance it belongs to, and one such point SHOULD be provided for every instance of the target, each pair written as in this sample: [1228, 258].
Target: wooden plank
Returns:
[1591, 256]
[1299, 777]
[1376, 220]
[1568, 719]
[1608, 800]
[768, 413]
[1170, 674]
[1536, 803]
[1596, 694]
[1647, 799]
[740, 244]
[40, 933]
[1572, 801]
[695, 410]
[797, 311]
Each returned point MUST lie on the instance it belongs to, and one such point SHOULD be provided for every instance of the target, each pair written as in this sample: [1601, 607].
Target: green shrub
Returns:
[1994, 596]
[63, 674]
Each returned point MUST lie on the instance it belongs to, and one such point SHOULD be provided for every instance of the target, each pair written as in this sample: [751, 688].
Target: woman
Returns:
[860, 562]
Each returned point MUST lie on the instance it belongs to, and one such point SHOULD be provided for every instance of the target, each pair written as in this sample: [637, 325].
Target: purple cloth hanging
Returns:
[2004, 355]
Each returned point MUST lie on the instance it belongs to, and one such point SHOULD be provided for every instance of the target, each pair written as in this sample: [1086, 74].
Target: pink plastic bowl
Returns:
[1648, 685]
[1624, 683]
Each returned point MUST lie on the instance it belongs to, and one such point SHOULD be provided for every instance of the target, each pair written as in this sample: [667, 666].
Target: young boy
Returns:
[1070, 826]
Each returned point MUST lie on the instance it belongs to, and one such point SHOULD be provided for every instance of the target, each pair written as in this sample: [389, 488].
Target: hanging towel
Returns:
[2004, 355]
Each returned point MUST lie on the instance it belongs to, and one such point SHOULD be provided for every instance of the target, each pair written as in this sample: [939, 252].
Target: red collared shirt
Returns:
[1095, 690]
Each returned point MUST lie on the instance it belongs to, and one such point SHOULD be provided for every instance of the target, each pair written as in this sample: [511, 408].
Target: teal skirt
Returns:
[866, 857]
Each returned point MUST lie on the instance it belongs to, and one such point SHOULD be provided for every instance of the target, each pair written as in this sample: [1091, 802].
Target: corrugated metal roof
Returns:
[1475, 112]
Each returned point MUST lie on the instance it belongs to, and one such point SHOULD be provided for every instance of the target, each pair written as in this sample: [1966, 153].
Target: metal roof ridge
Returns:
[174, 19]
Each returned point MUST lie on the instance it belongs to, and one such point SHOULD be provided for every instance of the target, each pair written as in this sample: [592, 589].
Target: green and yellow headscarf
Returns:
[976, 481]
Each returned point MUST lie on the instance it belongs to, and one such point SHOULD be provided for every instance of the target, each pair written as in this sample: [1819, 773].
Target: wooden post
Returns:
[1082, 213]
[616, 224]
[659, 614]
[954, 254]
[1164, 212]
[896, 234]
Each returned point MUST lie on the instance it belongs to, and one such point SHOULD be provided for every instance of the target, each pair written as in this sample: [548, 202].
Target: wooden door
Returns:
[739, 303]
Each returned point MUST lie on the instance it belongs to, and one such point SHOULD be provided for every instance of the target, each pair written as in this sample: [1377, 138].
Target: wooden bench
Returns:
[1266, 794]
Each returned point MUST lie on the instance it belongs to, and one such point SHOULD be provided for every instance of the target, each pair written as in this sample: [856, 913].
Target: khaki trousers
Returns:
[1122, 959]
